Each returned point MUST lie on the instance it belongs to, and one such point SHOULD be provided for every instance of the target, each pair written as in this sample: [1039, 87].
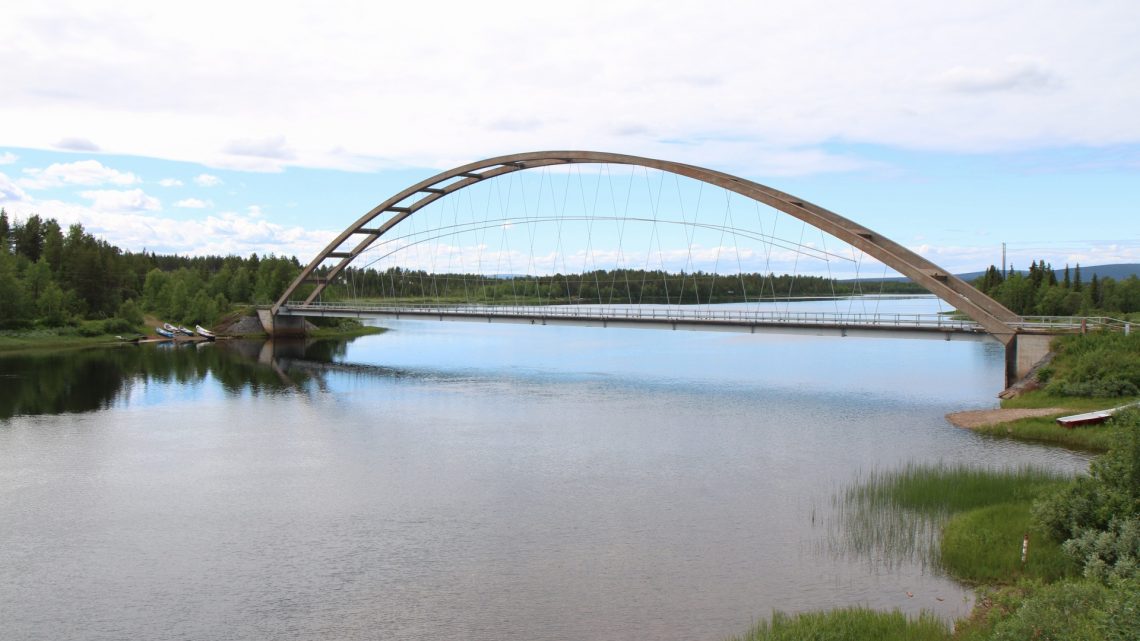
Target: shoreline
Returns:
[978, 419]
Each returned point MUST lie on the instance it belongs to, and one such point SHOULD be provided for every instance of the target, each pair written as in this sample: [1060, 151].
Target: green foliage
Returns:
[848, 624]
[51, 279]
[130, 312]
[15, 311]
[90, 329]
[118, 326]
[1071, 610]
[984, 546]
[1112, 553]
[1039, 292]
[1098, 365]
[1098, 516]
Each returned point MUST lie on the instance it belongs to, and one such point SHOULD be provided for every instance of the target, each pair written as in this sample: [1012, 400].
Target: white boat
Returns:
[1091, 418]
[204, 333]
[183, 330]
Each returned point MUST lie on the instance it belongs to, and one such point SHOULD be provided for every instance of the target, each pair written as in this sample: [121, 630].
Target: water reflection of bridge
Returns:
[484, 231]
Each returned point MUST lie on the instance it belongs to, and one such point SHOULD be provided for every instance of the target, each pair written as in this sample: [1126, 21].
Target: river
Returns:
[468, 481]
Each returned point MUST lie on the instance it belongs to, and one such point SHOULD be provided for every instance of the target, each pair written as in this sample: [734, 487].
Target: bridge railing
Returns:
[1071, 323]
[650, 313]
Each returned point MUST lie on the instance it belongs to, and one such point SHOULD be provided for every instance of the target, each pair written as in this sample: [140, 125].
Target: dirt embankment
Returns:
[982, 418]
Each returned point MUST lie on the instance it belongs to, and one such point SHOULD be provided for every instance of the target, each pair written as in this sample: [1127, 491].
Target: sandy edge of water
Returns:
[984, 418]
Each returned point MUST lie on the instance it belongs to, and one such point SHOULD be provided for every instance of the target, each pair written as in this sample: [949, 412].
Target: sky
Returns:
[219, 128]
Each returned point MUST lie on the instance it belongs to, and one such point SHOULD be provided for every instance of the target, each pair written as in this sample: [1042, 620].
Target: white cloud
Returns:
[223, 234]
[1014, 75]
[273, 147]
[10, 191]
[8, 158]
[83, 172]
[115, 200]
[767, 91]
[194, 203]
[170, 182]
[207, 180]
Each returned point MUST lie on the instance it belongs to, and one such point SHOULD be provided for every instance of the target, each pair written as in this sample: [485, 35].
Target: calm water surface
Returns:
[467, 481]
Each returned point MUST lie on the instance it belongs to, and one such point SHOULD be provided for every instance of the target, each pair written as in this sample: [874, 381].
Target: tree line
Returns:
[1042, 291]
[50, 277]
[604, 287]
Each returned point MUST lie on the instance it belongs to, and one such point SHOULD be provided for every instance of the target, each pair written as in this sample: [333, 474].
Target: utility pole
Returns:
[1004, 267]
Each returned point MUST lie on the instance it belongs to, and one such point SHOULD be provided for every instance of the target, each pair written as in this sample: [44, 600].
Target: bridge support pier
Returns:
[1023, 353]
[280, 326]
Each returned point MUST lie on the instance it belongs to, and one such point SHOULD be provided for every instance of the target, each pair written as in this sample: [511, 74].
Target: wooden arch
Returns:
[991, 315]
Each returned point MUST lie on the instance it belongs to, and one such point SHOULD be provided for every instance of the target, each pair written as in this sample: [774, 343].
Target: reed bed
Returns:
[848, 624]
[899, 516]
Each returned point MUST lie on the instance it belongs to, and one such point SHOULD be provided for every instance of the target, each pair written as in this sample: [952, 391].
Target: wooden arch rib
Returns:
[988, 313]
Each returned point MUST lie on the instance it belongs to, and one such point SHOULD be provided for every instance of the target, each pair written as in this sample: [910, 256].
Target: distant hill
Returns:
[1118, 271]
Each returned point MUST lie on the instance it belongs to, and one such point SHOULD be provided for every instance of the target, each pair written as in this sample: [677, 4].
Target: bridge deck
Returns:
[695, 318]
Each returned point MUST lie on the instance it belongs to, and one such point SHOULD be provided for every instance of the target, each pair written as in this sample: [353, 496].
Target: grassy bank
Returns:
[1080, 580]
[1089, 438]
[1088, 372]
[93, 333]
[848, 624]
[86, 335]
[966, 521]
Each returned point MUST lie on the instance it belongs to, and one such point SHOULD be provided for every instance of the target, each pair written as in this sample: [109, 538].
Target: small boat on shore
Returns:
[204, 333]
[163, 332]
[1091, 418]
[182, 330]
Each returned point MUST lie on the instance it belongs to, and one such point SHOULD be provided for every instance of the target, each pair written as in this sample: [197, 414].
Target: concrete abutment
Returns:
[282, 326]
[1023, 353]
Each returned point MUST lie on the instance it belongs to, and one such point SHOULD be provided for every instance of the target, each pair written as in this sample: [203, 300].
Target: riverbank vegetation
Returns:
[854, 624]
[1089, 372]
[1081, 576]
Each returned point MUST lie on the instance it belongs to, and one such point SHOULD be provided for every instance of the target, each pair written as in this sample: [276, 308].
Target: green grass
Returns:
[983, 545]
[943, 487]
[903, 515]
[1040, 398]
[848, 624]
[53, 338]
[1044, 429]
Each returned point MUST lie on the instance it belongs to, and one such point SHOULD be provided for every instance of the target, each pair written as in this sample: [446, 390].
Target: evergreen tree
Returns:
[1077, 278]
[1068, 279]
[5, 232]
[29, 239]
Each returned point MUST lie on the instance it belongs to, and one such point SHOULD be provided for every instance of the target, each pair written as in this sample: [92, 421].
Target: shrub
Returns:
[1098, 516]
[1062, 611]
[118, 326]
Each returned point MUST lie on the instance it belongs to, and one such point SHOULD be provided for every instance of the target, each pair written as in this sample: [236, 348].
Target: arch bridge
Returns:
[1025, 340]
